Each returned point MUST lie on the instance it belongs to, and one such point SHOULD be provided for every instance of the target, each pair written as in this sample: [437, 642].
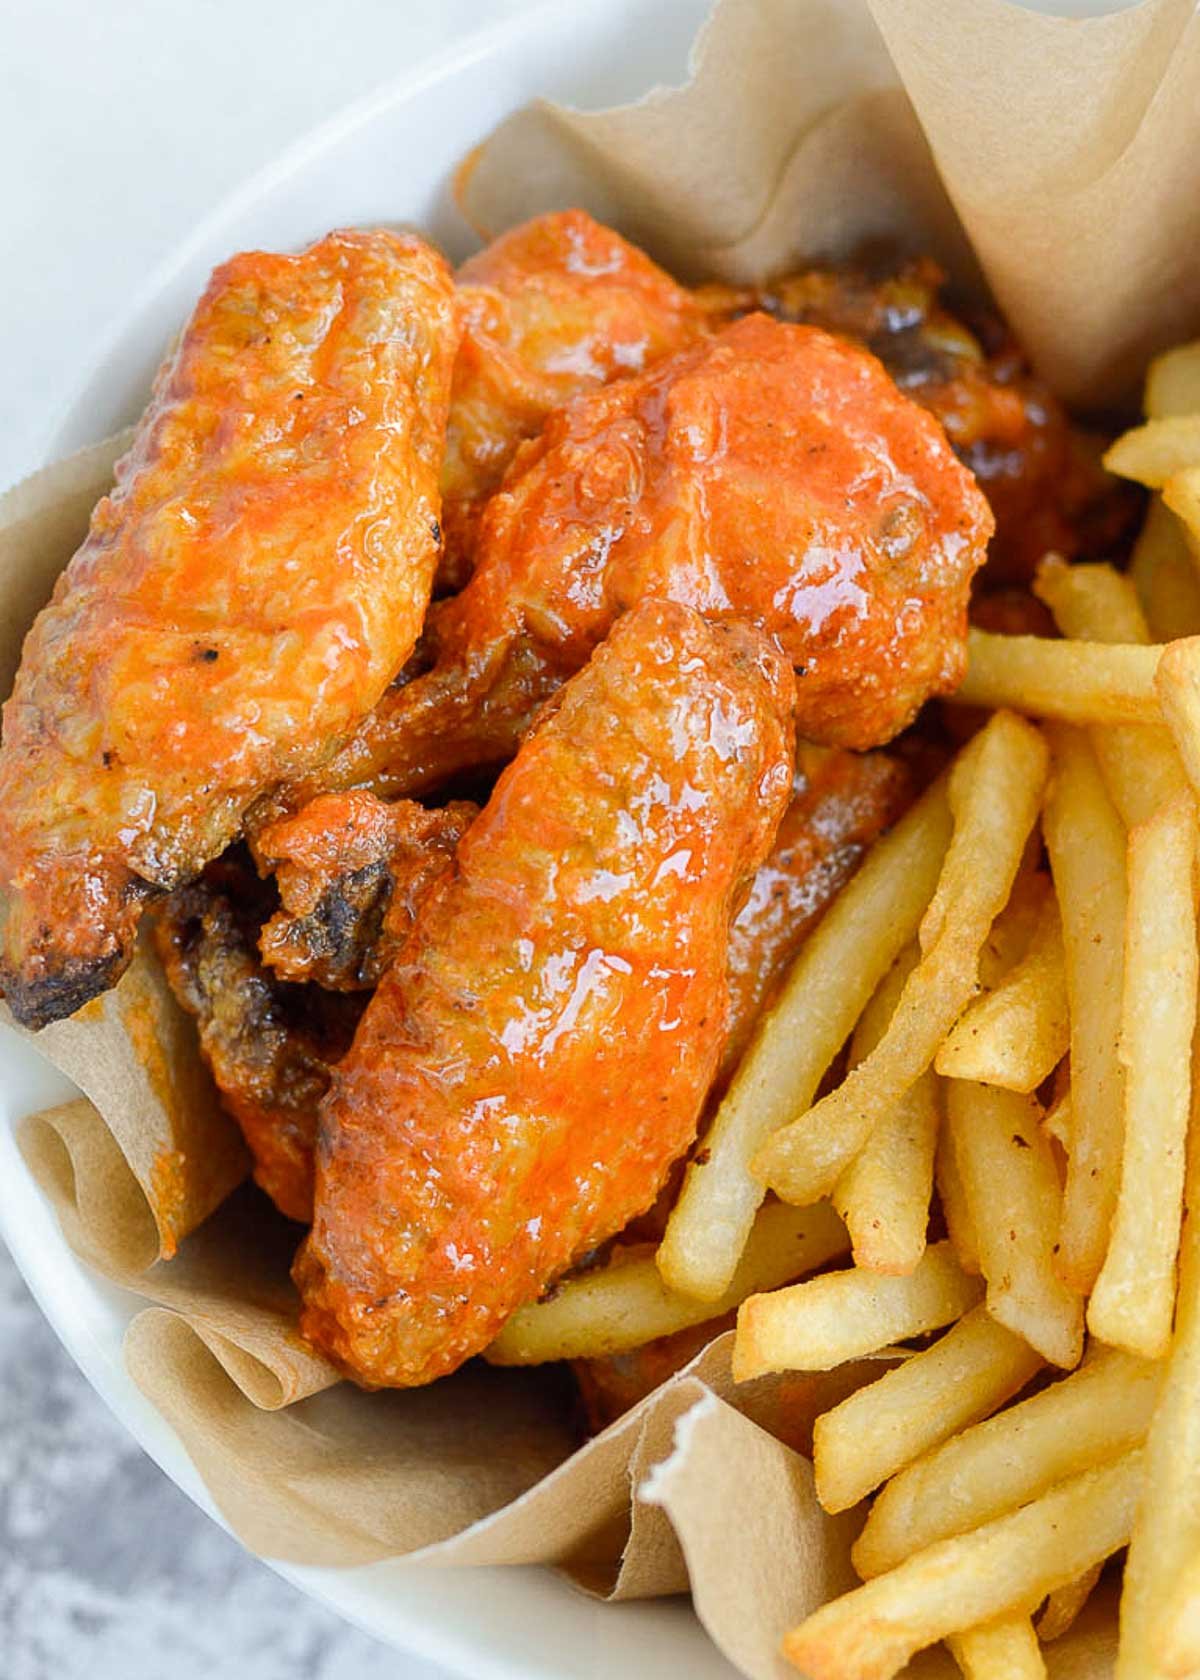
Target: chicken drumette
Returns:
[242, 600]
[549, 309]
[771, 474]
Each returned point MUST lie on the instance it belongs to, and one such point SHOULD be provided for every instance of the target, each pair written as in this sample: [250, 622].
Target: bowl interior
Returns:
[387, 159]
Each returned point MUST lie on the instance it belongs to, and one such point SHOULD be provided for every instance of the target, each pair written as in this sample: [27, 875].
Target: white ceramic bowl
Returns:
[387, 158]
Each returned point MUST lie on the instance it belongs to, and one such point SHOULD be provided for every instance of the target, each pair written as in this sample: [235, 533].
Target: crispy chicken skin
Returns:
[539, 1052]
[549, 309]
[841, 803]
[270, 1045]
[1045, 485]
[243, 598]
[352, 872]
[771, 474]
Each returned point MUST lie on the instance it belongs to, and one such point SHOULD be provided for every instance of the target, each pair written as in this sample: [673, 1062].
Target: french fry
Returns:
[1091, 1417]
[1133, 1302]
[1173, 383]
[1154, 452]
[1006, 1649]
[1077, 682]
[965, 1376]
[626, 1304]
[1064, 1604]
[816, 1325]
[856, 942]
[1013, 1192]
[1178, 685]
[1177, 1646]
[1011, 934]
[1091, 603]
[1004, 1568]
[1166, 1540]
[1086, 842]
[883, 1195]
[960, 1226]
[1165, 576]
[1016, 1035]
[1181, 493]
[995, 790]
[1138, 761]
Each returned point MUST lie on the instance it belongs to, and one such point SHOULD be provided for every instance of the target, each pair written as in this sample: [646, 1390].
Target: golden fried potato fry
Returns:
[1133, 1303]
[965, 1376]
[1090, 603]
[1016, 1035]
[1007, 1567]
[1098, 1412]
[1173, 383]
[1086, 842]
[1013, 1192]
[1006, 1649]
[626, 1304]
[1011, 934]
[1138, 761]
[1166, 1538]
[1064, 1604]
[816, 1325]
[1177, 1644]
[852, 948]
[1181, 493]
[1078, 682]
[1165, 576]
[884, 1193]
[960, 1226]
[1154, 452]
[1178, 685]
[995, 791]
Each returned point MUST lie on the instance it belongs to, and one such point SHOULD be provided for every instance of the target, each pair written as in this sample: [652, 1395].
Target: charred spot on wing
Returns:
[37, 1003]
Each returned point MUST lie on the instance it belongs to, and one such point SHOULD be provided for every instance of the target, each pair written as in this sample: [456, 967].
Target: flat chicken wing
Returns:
[270, 1046]
[352, 872]
[242, 600]
[548, 309]
[771, 474]
[539, 1053]
[1041, 475]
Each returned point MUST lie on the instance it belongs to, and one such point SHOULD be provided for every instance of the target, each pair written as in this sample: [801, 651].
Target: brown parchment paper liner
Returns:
[1051, 162]
[1062, 154]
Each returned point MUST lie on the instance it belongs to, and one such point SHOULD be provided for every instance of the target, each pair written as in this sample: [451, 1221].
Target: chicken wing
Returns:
[540, 1050]
[352, 872]
[548, 309]
[771, 474]
[1041, 475]
[270, 1046]
[243, 598]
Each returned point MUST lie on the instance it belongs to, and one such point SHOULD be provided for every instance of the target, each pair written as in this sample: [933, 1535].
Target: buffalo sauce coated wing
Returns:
[540, 1051]
[242, 599]
[1041, 475]
[771, 474]
[548, 309]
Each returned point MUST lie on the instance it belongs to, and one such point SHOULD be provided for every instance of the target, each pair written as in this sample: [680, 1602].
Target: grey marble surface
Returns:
[107, 1572]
